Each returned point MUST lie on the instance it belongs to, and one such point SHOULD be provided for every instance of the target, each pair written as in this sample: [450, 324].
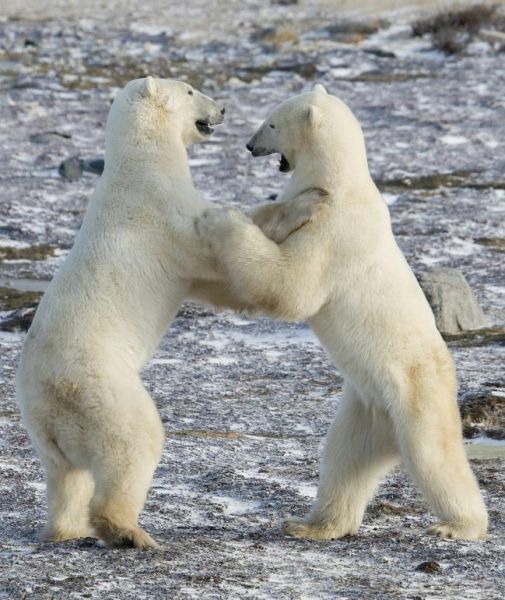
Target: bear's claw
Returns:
[457, 532]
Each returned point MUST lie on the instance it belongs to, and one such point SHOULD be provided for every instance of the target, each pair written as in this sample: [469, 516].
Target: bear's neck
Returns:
[335, 171]
[161, 157]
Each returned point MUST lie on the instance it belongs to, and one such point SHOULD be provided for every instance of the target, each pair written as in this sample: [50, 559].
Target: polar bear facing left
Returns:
[345, 273]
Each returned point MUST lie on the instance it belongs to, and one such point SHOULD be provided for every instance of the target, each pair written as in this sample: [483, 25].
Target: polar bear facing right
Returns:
[136, 258]
[346, 274]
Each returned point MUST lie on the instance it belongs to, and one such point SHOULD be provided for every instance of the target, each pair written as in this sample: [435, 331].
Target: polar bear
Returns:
[345, 273]
[95, 428]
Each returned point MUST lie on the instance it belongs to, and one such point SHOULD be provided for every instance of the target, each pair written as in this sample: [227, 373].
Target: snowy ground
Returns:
[247, 402]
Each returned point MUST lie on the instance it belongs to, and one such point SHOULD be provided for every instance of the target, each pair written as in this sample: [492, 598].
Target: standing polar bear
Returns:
[345, 273]
[136, 258]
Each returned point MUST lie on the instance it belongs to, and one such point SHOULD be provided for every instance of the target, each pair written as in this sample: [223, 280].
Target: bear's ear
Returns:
[313, 115]
[319, 87]
[149, 88]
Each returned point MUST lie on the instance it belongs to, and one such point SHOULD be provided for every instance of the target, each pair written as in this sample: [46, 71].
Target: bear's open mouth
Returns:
[204, 127]
[283, 164]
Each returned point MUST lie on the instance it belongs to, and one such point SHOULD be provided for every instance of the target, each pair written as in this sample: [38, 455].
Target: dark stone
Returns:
[20, 319]
[429, 566]
[93, 165]
[380, 52]
[71, 169]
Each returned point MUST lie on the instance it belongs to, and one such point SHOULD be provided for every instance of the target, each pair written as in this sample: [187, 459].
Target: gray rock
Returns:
[93, 165]
[71, 169]
[45, 137]
[452, 301]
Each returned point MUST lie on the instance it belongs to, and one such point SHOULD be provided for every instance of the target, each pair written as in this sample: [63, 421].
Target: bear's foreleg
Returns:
[283, 281]
[277, 220]
[218, 294]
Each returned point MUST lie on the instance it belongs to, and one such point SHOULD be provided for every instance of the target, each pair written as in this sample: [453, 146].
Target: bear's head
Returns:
[154, 110]
[313, 124]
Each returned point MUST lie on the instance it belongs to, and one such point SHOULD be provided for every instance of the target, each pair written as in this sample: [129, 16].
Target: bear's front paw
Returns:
[294, 214]
[215, 224]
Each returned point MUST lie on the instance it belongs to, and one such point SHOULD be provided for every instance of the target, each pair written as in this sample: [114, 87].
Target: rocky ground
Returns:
[246, 402]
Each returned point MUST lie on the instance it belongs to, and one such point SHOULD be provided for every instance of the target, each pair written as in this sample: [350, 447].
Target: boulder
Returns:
[452, 301]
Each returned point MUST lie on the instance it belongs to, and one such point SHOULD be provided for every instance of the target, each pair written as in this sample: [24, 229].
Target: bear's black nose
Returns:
[223, 110]
[249, 147]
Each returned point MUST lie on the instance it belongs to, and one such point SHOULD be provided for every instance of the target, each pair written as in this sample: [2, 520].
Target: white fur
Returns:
[96, 430]
[135, 259]
[345, 273]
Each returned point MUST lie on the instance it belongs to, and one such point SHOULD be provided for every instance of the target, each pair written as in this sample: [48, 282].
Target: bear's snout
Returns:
[255, 150]
[258, 150]
[219, 116]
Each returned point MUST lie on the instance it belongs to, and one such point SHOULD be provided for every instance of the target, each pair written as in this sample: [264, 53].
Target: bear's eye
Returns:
[190, 92]
[272, 126]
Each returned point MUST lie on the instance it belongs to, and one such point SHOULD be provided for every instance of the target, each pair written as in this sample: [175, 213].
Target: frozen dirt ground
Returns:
[246, 402]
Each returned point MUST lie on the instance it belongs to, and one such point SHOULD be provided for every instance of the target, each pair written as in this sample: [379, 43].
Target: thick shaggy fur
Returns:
[345, 273]
[137, 256]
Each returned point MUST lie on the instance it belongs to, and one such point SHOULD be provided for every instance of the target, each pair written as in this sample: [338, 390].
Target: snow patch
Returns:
[234, 506]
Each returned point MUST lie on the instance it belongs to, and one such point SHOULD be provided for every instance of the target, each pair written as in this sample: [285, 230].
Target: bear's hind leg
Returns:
[431, 445]
[123, 473]
[359, 449]
[119, 498]
[69, 491]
